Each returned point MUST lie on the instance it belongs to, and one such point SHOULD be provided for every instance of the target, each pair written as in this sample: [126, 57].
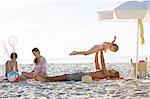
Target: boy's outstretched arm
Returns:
[114, 39]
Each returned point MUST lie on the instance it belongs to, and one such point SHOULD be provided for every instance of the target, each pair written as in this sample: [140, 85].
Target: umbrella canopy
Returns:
[127, 10]
[135, 10]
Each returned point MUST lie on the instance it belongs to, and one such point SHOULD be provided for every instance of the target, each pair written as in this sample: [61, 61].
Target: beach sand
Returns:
[103, 89]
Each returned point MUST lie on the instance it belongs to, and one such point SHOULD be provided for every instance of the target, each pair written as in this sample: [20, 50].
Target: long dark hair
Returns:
[36, 50]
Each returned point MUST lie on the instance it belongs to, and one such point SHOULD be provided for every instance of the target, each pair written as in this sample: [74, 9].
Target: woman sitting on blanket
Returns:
[99, 74]
[39, 66]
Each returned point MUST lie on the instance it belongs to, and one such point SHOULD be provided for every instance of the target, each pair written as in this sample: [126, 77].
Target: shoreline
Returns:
[76, 59]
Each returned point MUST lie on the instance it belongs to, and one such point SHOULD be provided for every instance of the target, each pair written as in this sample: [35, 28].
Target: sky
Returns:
[58, 27]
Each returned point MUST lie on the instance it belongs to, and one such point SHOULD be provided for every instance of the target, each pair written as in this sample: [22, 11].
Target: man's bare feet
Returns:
[73, 53]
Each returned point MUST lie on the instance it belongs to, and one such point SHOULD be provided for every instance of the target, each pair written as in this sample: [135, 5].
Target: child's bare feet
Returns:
[73, 53]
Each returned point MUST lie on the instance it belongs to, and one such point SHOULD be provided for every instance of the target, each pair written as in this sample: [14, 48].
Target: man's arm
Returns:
[96, 62]
[114, 39]
[104, 66]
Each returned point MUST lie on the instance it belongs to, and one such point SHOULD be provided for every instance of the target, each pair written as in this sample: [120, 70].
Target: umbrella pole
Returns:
[137, 50]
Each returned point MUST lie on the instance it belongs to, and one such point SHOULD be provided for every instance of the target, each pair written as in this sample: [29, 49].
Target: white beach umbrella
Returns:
[126, 10]
[136, 10]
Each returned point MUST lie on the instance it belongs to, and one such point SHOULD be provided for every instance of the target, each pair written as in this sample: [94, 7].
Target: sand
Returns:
[103, 89]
